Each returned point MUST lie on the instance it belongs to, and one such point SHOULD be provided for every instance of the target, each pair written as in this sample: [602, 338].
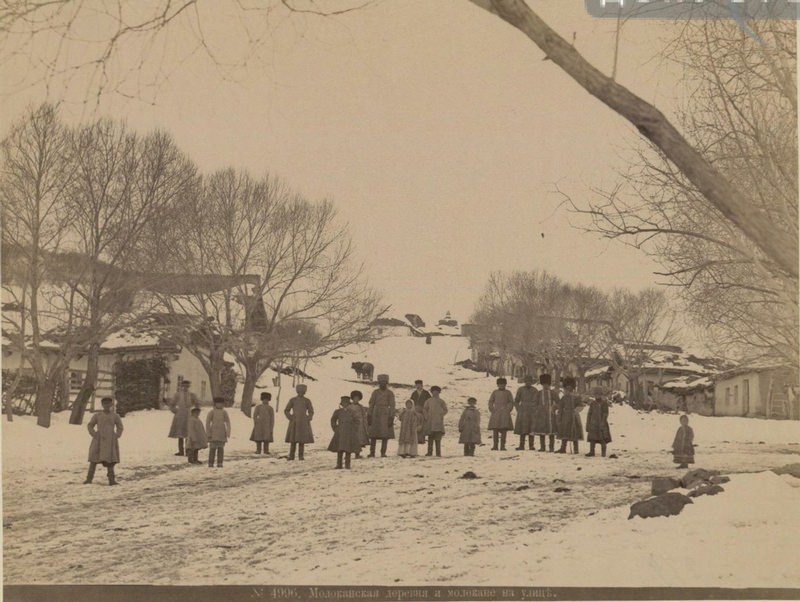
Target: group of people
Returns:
[539, 412]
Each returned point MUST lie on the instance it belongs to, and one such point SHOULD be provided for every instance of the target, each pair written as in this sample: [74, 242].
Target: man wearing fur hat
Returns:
[183, 401]
[419, 396]
[544, 417]
[501, 402]
[381, 416]
[524, 403]
[569, 421]
[300, 412]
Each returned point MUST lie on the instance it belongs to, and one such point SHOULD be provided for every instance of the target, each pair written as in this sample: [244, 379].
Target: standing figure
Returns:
[433, 421]
[300, 412]
[419, 397]
[501, 402]
[683, 444]
[181, 403]
[525, 404]
[363, 435]
[197, 438]
[597, 429]
[105, 428]
[381, 416]
[410, 427]
[569, 420]
[345, 441]
[263, 424]
[544, 418]
[469, 425]
[218, 428]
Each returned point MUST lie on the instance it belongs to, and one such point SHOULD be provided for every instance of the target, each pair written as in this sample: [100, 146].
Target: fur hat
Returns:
[472, 401]
[545, 379]
[301, 388]
[344, 399]
[354, 394]
[195, 411]
[502, 381]
[383, 378]
[436, 388]
[219, 400]
[107, 400]
[266, 396]
[418, 382]
[568, 381]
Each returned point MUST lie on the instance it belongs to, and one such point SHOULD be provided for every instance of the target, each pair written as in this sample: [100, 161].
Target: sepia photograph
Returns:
[399, 300]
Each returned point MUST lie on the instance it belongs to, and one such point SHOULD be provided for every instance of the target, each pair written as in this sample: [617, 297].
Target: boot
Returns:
[258, 447]
[438, 446]
[111, 479]
[266, 448]
[339, 456]
[575, 447]
[347, 460]
[220, 454]
[372, 443]
[292, 450]
[603, 449]
[430, 445]
[591, 450]
[466, 449]
[212, 451]
[384, 446]
[530, 442]
[552, 445]
[302, 447]
[90, 474]
[521, 445]
[180, 447]
[563, 448]
[503, 440]
[190, 456]
[495, 440]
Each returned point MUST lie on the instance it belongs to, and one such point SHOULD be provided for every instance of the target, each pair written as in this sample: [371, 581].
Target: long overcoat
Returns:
[105, 429]
[544, 416]
[218, 426]
[569, 421]
[525, 404]
[381, 414]
[501, 402]
[299, 411]
[683, 446]
[197, 438]
[181, 403]
[597, 429]
[263, 423]
[419, 398]
[469, 425]
[345, 422]
[410, 426]
[363, 435]
[433, 416]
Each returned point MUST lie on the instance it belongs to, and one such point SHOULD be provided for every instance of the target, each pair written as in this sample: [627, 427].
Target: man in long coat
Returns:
[381, 416]
[355, 405]
[263, 424]
[544, 418]
[469, 427]
[525, 403]
[569, 421]
[105, 428]
[597, 429]
[345, 441]
[433, 421]
[501, 402]
[419, 397]
[183, 401]
[300, 412]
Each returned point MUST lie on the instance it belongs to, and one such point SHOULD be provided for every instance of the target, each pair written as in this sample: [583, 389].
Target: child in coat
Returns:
[683, 445]
[218, 427]
[363, 435]
[196, 438]
[410, 428]
[105, 428]
[433, 421]
[345, 441]
[597, 429]
[263, 423]
[469, 425]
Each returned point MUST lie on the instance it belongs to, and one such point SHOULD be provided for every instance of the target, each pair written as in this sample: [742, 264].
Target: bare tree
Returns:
[37, 171]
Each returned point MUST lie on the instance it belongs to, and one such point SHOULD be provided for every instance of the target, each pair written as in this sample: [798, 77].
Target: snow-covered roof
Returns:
[687, 384]
[128, 338]
[597, 370]
[760, 365]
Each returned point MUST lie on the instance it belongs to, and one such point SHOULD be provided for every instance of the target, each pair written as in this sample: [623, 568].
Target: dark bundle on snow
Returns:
[666, 504]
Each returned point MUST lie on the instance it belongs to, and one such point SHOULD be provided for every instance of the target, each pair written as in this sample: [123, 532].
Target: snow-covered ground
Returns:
[391, 521]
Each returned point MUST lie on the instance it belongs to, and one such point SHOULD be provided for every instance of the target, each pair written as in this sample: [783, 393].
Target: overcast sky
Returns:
[438, 130]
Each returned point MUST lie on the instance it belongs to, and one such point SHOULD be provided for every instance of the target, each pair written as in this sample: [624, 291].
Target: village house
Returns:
[761, 389]
[392, 327]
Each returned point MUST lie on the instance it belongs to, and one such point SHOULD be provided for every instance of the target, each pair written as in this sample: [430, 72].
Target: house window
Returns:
[75, 381]
[746, 393]
[180, 380]
[736, 394]
[727, 396]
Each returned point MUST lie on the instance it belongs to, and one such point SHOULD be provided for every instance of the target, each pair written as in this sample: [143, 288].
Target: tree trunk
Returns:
[44, 402]
[88, 386]
[247, 391]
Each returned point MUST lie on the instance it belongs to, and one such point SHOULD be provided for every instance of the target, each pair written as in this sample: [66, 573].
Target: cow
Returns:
[364, 370]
